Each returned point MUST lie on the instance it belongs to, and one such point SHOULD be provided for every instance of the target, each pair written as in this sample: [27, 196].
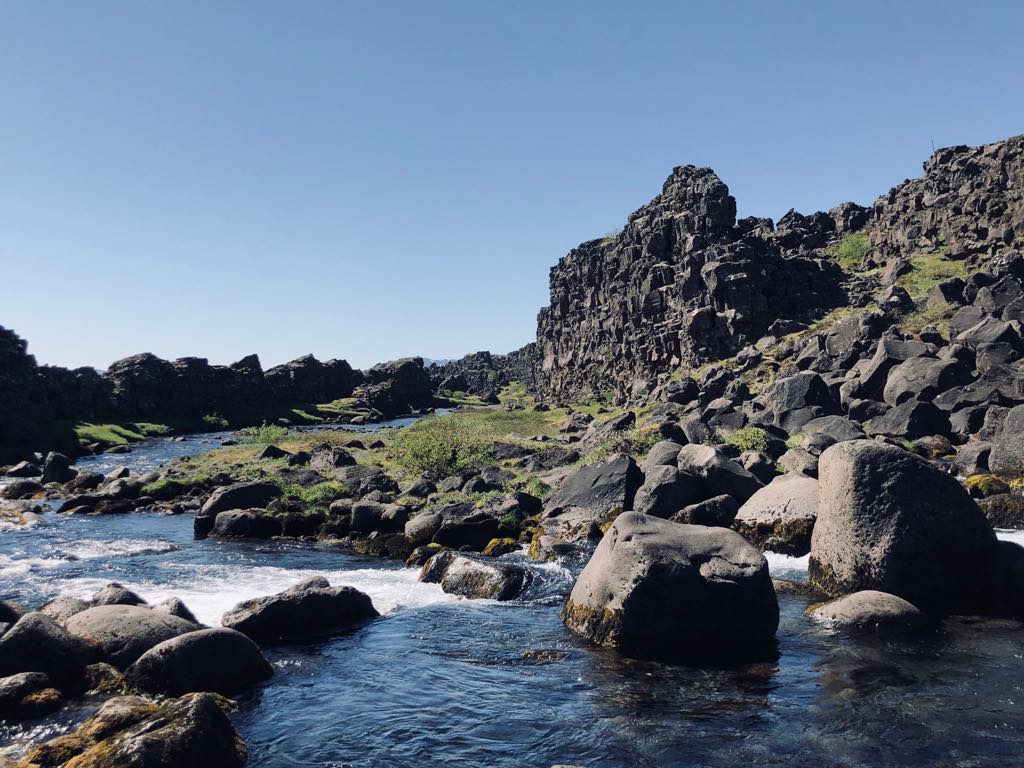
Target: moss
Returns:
[983, 486]
[498, 547]
[166, 488]
[930, 269]
[107, 434]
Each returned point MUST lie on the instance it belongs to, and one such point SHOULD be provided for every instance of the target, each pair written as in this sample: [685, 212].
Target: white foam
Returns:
[90, 549]
[1017, 537]
[786, 565]
[211, 590]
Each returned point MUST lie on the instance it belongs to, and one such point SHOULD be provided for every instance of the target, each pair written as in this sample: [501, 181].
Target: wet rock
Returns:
[219, 660]
[1008, 578]
[245, 524]
[248, 495]
[62, 608]
[21, 489]
[891, 521]
[873, 611]
[37, 644]
[717, 511]
[24, 469]
[780, 516]
[1004, 510]
[115, 594]
[172, 606]
[193, 730]
[125, 632]
[656, 588]
[57, 468]
[28, 694]
[466, 576]
[310, 607]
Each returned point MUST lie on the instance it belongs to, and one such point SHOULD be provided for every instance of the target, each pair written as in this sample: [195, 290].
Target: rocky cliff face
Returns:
[682, 283]
[685, 283]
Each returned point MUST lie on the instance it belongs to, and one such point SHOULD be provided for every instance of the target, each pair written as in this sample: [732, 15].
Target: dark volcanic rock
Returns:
[255, 493]
[780, 516]
[472, 577]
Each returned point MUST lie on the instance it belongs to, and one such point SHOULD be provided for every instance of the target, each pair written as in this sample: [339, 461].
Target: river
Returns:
[439, 680]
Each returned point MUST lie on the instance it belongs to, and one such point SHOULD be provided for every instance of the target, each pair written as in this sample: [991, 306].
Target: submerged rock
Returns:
[871, 610]
[657, 588]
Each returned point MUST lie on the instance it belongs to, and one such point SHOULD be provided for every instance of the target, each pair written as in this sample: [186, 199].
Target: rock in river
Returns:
[459, 574]
[125, 632]
[657, 588]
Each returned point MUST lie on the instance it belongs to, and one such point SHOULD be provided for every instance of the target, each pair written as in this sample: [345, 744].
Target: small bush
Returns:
[322, 494]
[851, 250]
[443, 444]
[268, 434]
[748, 439]
[215, 421]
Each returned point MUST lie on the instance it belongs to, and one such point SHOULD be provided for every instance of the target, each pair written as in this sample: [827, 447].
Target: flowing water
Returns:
[438, 680]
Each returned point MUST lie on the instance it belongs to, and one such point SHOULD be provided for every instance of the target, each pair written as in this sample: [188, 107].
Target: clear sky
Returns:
[369, 180]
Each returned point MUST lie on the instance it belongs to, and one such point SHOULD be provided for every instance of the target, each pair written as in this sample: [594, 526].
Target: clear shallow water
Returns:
[439, 680]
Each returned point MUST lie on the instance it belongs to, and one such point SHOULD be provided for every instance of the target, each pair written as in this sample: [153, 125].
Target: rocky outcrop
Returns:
[657, 588]
[683, 282]
[395, 388]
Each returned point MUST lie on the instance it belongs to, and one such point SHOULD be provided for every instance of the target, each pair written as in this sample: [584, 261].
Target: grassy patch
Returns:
[636, 442]
[936, 315]
[215, 421]
[268, 434]
[107, 434]
[850, 251]
[748, 439]
[322, 494]
[930, 269]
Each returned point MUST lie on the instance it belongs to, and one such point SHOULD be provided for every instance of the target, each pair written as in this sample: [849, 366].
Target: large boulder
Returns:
[253, 494]
[780, 516]
[602, 487]
[471, 577]
[310, 607]
[57, 468]
[28, 694]
[132, 732]
[719, 473]
[36, 643]
[923, 378]
[125, 632]
[656, 588]
[1007, 456]
[220, 660]
[890, 521]
[473, 531]
[793, 401]
[245, 524]
[910, 420]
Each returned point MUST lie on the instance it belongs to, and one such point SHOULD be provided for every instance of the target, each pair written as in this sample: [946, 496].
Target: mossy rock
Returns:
[1004, 510]
[983, 486]
[498, 547]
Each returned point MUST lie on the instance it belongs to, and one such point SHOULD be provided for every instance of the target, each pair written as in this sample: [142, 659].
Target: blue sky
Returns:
[375, 179]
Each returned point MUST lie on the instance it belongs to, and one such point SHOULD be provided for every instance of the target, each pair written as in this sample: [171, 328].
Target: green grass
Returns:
[938, 316]
[636, 442]
[322, 494]
[268, 434]
[215, 421]
[107, 434]
[930, 269]
[850, 252]
[748, 439]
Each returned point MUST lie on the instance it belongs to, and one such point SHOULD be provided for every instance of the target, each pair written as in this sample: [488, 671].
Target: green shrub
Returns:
[748, 439]
[851, 250]
[443, 444]
[215, 421]
[267, 434]
[322, 494]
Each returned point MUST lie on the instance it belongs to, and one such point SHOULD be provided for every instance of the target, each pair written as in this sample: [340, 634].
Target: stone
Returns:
[666, 490]
[193, 730]
[473, 531]
[889, 520]
[115, 594]
[219, 660]
[125, 632]
[923, 378]
[910, 420]
[718, 510]
[249, 495]
[972, 459]
[311, 607]
[28, 694]
[871, 610]
[459, 574]
[420, 529]
[780, 517]
[1007, 455]
[57, 468]
[602, 487]
[38, 644]
[62, 608]
[21, 489]
[662, 589]
[24, 469]
[172, 606]
[718, 473]
[245, 524]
